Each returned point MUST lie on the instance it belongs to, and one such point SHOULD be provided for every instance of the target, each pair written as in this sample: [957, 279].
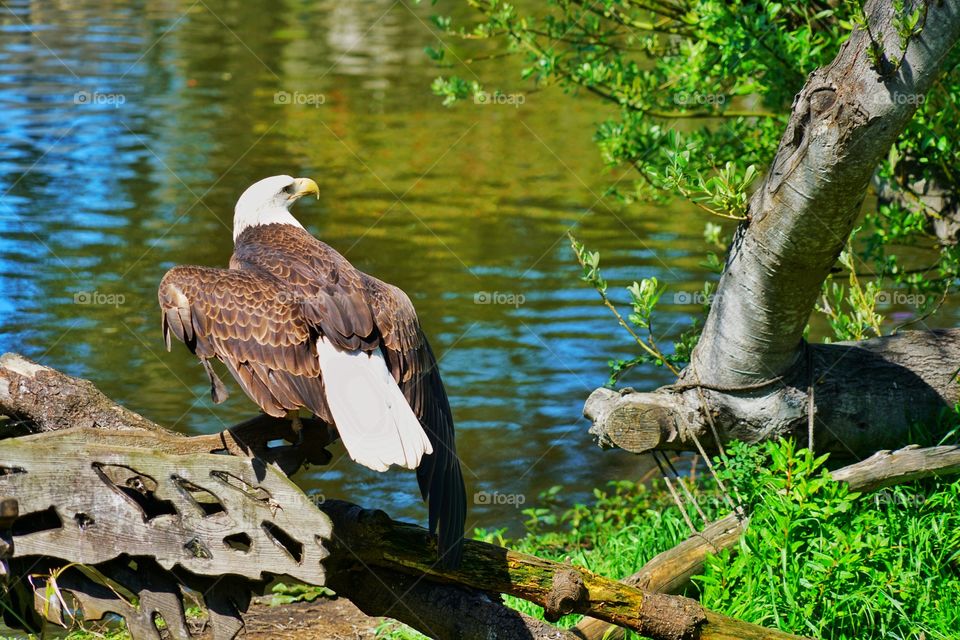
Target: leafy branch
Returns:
[644, 297]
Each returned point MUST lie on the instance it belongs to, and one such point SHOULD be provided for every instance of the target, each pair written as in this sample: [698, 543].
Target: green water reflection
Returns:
[129, 129]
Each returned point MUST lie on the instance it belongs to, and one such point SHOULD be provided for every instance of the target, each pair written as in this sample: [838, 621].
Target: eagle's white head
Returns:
[269, 201]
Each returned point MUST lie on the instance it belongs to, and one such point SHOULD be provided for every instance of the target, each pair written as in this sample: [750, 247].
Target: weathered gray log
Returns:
[237, 515]
[47, 400]
[87, 502]
[868, 395]
[158, 595]
[671, 570]
[41, 399]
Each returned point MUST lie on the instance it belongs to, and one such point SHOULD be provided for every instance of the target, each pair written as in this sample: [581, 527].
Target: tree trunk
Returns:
[751, 368]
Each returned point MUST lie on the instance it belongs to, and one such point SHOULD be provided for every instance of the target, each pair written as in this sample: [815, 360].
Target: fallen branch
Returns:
[887, 468]
[438, 610]
[896, 382]
[37, 399]
[364, 538]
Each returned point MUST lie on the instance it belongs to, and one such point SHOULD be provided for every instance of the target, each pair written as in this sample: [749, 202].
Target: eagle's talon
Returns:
[296, 425]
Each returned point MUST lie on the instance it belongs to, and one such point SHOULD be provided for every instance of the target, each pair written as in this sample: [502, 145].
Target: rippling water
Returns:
[129, 130]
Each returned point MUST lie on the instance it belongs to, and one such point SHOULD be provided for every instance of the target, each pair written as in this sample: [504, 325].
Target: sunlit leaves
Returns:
[453, 89]
[644, 296]
[436, 55]
[590, 263]
[852, 310]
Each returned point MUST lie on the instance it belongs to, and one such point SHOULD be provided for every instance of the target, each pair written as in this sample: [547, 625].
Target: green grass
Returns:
[823, 561]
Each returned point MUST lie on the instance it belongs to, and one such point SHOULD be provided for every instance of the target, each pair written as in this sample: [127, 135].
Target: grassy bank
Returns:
[817, 559]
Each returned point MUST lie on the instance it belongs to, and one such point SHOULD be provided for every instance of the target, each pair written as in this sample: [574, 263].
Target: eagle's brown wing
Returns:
[414, 366]
[327, 287]
[255, 326]
[357, 311]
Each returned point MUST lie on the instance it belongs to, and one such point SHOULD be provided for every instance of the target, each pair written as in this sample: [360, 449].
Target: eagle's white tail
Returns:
[377, 426]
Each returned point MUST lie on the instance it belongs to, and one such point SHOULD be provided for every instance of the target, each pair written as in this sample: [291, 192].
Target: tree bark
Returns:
[751, 369]
[36, 398]
[844, 121]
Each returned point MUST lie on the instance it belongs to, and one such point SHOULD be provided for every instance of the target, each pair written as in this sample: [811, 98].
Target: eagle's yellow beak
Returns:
[305, 186]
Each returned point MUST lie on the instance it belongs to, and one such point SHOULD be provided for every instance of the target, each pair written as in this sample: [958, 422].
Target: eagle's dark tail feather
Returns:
[441, 484]
[439, 475]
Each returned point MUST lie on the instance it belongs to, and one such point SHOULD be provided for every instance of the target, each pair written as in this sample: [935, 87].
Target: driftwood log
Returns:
[138, 515]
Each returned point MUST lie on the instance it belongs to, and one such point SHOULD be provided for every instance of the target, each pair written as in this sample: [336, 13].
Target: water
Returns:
[129, 130]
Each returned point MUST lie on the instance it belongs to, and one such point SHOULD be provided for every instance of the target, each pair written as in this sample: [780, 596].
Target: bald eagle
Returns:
[298, 326]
